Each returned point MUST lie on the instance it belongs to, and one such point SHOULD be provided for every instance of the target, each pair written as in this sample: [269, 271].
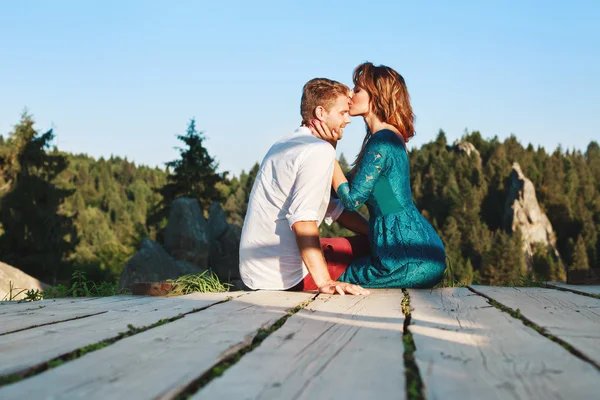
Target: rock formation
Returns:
[224, 239]
[153, 264]
[523, 211]
[466, 147]
[186, 235]
[19, 280]
[192, 245]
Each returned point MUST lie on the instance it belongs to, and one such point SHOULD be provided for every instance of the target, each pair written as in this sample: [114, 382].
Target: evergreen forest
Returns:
[61, 212]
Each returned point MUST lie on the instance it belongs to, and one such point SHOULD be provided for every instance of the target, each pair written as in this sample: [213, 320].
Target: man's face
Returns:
[338, 116]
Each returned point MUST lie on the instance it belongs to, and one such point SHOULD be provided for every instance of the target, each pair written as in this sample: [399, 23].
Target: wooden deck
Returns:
[469, 343]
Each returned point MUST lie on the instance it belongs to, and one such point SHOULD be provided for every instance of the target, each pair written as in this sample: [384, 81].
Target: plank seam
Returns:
[414, 383]
[53, 322]
[592, 295]
[80, 352]
[539, 329]
[220, 367]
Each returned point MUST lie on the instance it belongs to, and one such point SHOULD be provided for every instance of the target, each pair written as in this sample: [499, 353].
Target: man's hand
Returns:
[335, 287]
[321, 130]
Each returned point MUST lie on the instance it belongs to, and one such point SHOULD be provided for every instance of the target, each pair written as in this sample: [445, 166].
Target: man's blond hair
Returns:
[320, 92]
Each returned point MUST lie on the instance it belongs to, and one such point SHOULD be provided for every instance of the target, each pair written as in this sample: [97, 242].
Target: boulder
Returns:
[153, 264]
[217, 221]
[19, 280]
[186, 234]
[522, 211]
[224, 255]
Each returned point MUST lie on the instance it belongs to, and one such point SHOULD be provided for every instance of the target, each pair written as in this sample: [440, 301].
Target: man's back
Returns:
[292, 184]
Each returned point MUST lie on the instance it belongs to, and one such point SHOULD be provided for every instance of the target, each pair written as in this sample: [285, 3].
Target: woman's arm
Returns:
[355, 193]
[354, 221]
[338, 176]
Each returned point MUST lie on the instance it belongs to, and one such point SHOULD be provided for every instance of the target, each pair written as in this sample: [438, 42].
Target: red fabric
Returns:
[339, 254]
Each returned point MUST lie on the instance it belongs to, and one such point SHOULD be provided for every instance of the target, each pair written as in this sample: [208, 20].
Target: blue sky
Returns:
[124, 77]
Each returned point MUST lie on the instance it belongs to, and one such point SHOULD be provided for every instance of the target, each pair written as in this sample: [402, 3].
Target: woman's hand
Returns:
[321, 130]
[335, 287]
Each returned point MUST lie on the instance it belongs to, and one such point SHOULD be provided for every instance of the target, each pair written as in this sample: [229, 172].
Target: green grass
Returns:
[80, 287]
[414, 384]
[449, 278]
[205, 282]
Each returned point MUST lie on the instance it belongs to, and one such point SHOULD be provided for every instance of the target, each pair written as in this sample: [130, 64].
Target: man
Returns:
[280, 247]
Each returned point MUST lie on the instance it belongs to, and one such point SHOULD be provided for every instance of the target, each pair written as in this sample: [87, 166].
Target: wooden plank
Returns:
[568, 316]
[468, 349]
[338, 347]
[26, 349]
[7, 307]
[160, 361]
[33, 316]
[585, 289]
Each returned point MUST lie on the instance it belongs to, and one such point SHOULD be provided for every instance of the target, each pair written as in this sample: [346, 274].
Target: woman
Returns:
[405, 249]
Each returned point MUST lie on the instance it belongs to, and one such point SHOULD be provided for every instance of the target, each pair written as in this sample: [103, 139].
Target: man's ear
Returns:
[320, 113]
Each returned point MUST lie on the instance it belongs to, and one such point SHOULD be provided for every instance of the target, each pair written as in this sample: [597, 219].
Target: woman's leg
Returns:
[339, 254]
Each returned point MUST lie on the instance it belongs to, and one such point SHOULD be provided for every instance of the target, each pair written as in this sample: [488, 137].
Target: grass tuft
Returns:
[205, 282]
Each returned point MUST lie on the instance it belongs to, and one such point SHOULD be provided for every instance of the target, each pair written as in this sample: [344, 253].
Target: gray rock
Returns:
[224, 257]
[522, 211]
[186, 267]
[19, 280]
[153, 264]
[186, 235]
[217, 222]
[238, 284]
[466, 147]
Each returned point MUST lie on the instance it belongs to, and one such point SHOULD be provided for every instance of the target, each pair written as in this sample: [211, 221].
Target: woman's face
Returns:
[359, 102]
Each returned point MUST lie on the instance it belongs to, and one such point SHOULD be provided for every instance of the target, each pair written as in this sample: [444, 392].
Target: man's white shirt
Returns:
[293, 184]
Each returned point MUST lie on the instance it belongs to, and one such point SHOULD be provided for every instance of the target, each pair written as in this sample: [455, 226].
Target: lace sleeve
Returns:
[356, 192]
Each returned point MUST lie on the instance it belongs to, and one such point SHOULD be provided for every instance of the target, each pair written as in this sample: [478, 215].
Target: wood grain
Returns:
[468, 349]
[338, 347]
[158, 363]
[36, 316]
[26, 349]
[572, 318]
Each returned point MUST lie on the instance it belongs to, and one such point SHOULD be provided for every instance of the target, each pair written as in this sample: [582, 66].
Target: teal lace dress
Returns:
[406, 252]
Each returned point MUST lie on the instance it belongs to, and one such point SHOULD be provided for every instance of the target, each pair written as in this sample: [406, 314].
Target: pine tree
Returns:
[38, 235]
[194, 175]
[580, 257]
[503, 262]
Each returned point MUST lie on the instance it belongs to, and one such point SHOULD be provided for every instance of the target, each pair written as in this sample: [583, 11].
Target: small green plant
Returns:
[33, 295]
[56, 291]
[81, 287]
[205, 282]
